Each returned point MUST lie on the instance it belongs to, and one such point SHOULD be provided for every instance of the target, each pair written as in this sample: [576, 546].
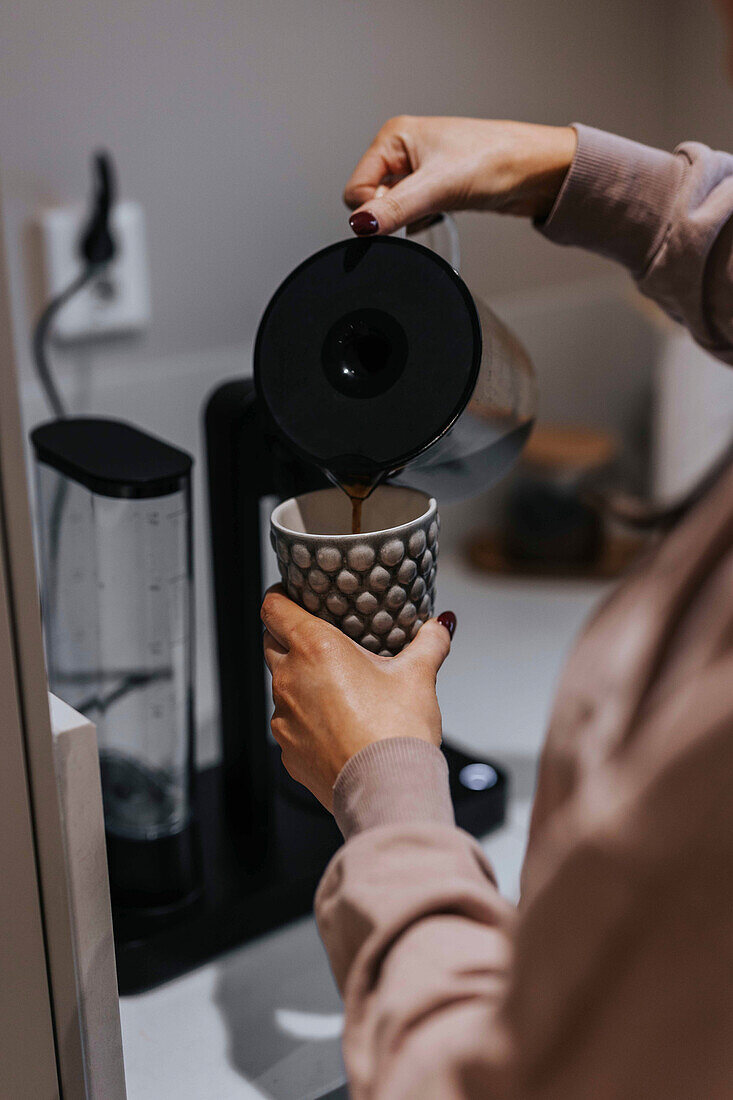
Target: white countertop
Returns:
[264, 1020]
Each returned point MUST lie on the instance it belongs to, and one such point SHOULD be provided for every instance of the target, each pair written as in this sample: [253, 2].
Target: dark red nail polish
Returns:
[448, 620]
[364, 224]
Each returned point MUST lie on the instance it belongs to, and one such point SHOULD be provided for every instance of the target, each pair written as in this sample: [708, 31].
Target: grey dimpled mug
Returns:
[378, 586]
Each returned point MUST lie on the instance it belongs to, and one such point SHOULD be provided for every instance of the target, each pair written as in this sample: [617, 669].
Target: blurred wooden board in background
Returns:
[485, 553]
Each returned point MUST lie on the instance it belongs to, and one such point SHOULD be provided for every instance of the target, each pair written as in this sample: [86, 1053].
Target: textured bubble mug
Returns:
[377, 586]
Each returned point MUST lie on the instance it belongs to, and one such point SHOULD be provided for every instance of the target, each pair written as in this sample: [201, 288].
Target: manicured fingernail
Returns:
[364, 224]
[448, 620]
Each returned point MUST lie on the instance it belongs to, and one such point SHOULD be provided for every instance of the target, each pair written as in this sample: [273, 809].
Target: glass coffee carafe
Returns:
[373, 360]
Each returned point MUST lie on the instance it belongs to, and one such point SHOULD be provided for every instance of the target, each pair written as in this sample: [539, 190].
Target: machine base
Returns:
[239, 901]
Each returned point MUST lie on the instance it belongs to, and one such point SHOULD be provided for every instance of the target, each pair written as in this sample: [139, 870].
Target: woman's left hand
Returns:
[333, 698]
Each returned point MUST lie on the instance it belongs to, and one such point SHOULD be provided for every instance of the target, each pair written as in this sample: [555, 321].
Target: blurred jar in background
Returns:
[552, 521]
[546, 516]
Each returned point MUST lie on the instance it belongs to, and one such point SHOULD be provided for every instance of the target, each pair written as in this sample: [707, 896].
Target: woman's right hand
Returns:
[418, 166]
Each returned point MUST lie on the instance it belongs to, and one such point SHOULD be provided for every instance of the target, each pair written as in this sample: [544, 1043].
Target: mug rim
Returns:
[431, 509]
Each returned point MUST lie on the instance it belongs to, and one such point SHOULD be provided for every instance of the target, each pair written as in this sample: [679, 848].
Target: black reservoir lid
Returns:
[367, 353]
[111, 458]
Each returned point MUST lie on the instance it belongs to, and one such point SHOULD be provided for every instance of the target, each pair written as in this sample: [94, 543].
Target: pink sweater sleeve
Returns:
[664, 216]
[418, 936]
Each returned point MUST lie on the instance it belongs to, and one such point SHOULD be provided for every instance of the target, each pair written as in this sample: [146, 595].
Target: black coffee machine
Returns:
[357, 333]
[264, 840]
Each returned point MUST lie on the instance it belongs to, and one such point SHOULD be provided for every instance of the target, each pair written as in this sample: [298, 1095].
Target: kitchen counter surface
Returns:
[265, 1020]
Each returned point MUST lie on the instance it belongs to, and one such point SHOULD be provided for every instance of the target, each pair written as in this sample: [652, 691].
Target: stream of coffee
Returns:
[357, 492]
[356, 504]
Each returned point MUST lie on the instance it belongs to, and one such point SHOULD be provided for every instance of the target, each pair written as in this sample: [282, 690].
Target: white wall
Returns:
[697, 94]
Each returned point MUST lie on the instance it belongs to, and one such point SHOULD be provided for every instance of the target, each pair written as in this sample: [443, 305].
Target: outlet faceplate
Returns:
[118, 299]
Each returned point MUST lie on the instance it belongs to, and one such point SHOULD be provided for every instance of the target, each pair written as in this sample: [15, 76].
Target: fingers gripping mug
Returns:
[378, 587]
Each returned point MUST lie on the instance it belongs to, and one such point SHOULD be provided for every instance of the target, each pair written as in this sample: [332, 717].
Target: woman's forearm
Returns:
[418, 936]
[665, 217]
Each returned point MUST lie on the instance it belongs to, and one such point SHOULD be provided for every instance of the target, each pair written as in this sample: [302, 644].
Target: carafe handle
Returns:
[439, 233]
[429, 234]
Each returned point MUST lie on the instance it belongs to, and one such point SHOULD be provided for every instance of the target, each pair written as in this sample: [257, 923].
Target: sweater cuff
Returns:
[402, 780]
[616, 199]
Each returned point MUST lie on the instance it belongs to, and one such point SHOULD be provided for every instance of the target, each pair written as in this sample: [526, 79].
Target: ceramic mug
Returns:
[378, 586]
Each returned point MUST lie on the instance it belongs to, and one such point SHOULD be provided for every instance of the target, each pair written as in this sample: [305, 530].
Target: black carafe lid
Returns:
[366, 355]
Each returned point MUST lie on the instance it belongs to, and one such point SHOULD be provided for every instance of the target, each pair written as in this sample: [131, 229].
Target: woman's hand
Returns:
[333, 698]
[416, 167]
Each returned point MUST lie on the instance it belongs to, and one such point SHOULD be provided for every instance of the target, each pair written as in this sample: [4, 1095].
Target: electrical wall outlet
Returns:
[115, 301]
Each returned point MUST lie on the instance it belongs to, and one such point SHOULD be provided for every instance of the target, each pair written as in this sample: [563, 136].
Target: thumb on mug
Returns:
[432, 644]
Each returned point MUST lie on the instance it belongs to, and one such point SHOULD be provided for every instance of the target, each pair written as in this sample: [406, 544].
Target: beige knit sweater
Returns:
[613, 979]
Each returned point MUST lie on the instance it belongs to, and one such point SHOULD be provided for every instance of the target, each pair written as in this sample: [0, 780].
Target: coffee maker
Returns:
[264, 840]
[259, 842]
